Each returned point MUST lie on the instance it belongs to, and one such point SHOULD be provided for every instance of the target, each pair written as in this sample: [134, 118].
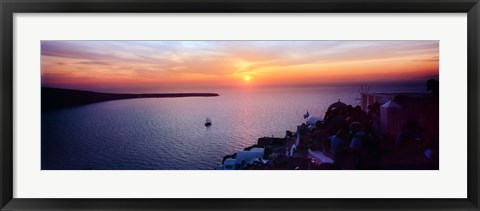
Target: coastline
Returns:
[55, 98]
[390, 131]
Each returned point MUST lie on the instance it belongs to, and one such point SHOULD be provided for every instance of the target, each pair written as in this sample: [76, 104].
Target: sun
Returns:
[247, 78]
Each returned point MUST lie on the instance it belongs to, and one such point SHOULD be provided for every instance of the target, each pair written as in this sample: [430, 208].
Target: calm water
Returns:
[169, 133]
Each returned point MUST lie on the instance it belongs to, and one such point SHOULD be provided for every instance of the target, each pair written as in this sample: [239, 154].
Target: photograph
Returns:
[251, 105]
[239, 104]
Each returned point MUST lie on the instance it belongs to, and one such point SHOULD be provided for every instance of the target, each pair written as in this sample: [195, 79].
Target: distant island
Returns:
[54, 98]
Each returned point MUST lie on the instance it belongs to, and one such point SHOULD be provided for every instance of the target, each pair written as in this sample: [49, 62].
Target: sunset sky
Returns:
[154, 66]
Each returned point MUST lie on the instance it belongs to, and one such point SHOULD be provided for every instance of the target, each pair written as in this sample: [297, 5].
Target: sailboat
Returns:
[208, 122]
[306, 115]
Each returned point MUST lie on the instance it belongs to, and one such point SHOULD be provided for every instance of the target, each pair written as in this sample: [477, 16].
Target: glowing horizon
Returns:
[156, 65]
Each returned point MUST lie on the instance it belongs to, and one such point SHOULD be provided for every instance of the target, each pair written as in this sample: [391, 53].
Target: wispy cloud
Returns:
[173, 61]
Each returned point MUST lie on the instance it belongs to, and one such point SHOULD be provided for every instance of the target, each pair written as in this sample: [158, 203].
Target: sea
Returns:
[170, 133]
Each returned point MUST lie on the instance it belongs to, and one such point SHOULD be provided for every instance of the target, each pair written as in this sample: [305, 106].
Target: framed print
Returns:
[239, 105]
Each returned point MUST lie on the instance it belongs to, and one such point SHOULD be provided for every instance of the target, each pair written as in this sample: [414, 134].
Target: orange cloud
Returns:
[154, 65]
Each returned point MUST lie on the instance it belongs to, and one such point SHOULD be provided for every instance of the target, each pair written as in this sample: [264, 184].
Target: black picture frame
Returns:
[10, 7]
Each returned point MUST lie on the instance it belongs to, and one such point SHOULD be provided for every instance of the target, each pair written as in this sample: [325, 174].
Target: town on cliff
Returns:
[387, 131]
